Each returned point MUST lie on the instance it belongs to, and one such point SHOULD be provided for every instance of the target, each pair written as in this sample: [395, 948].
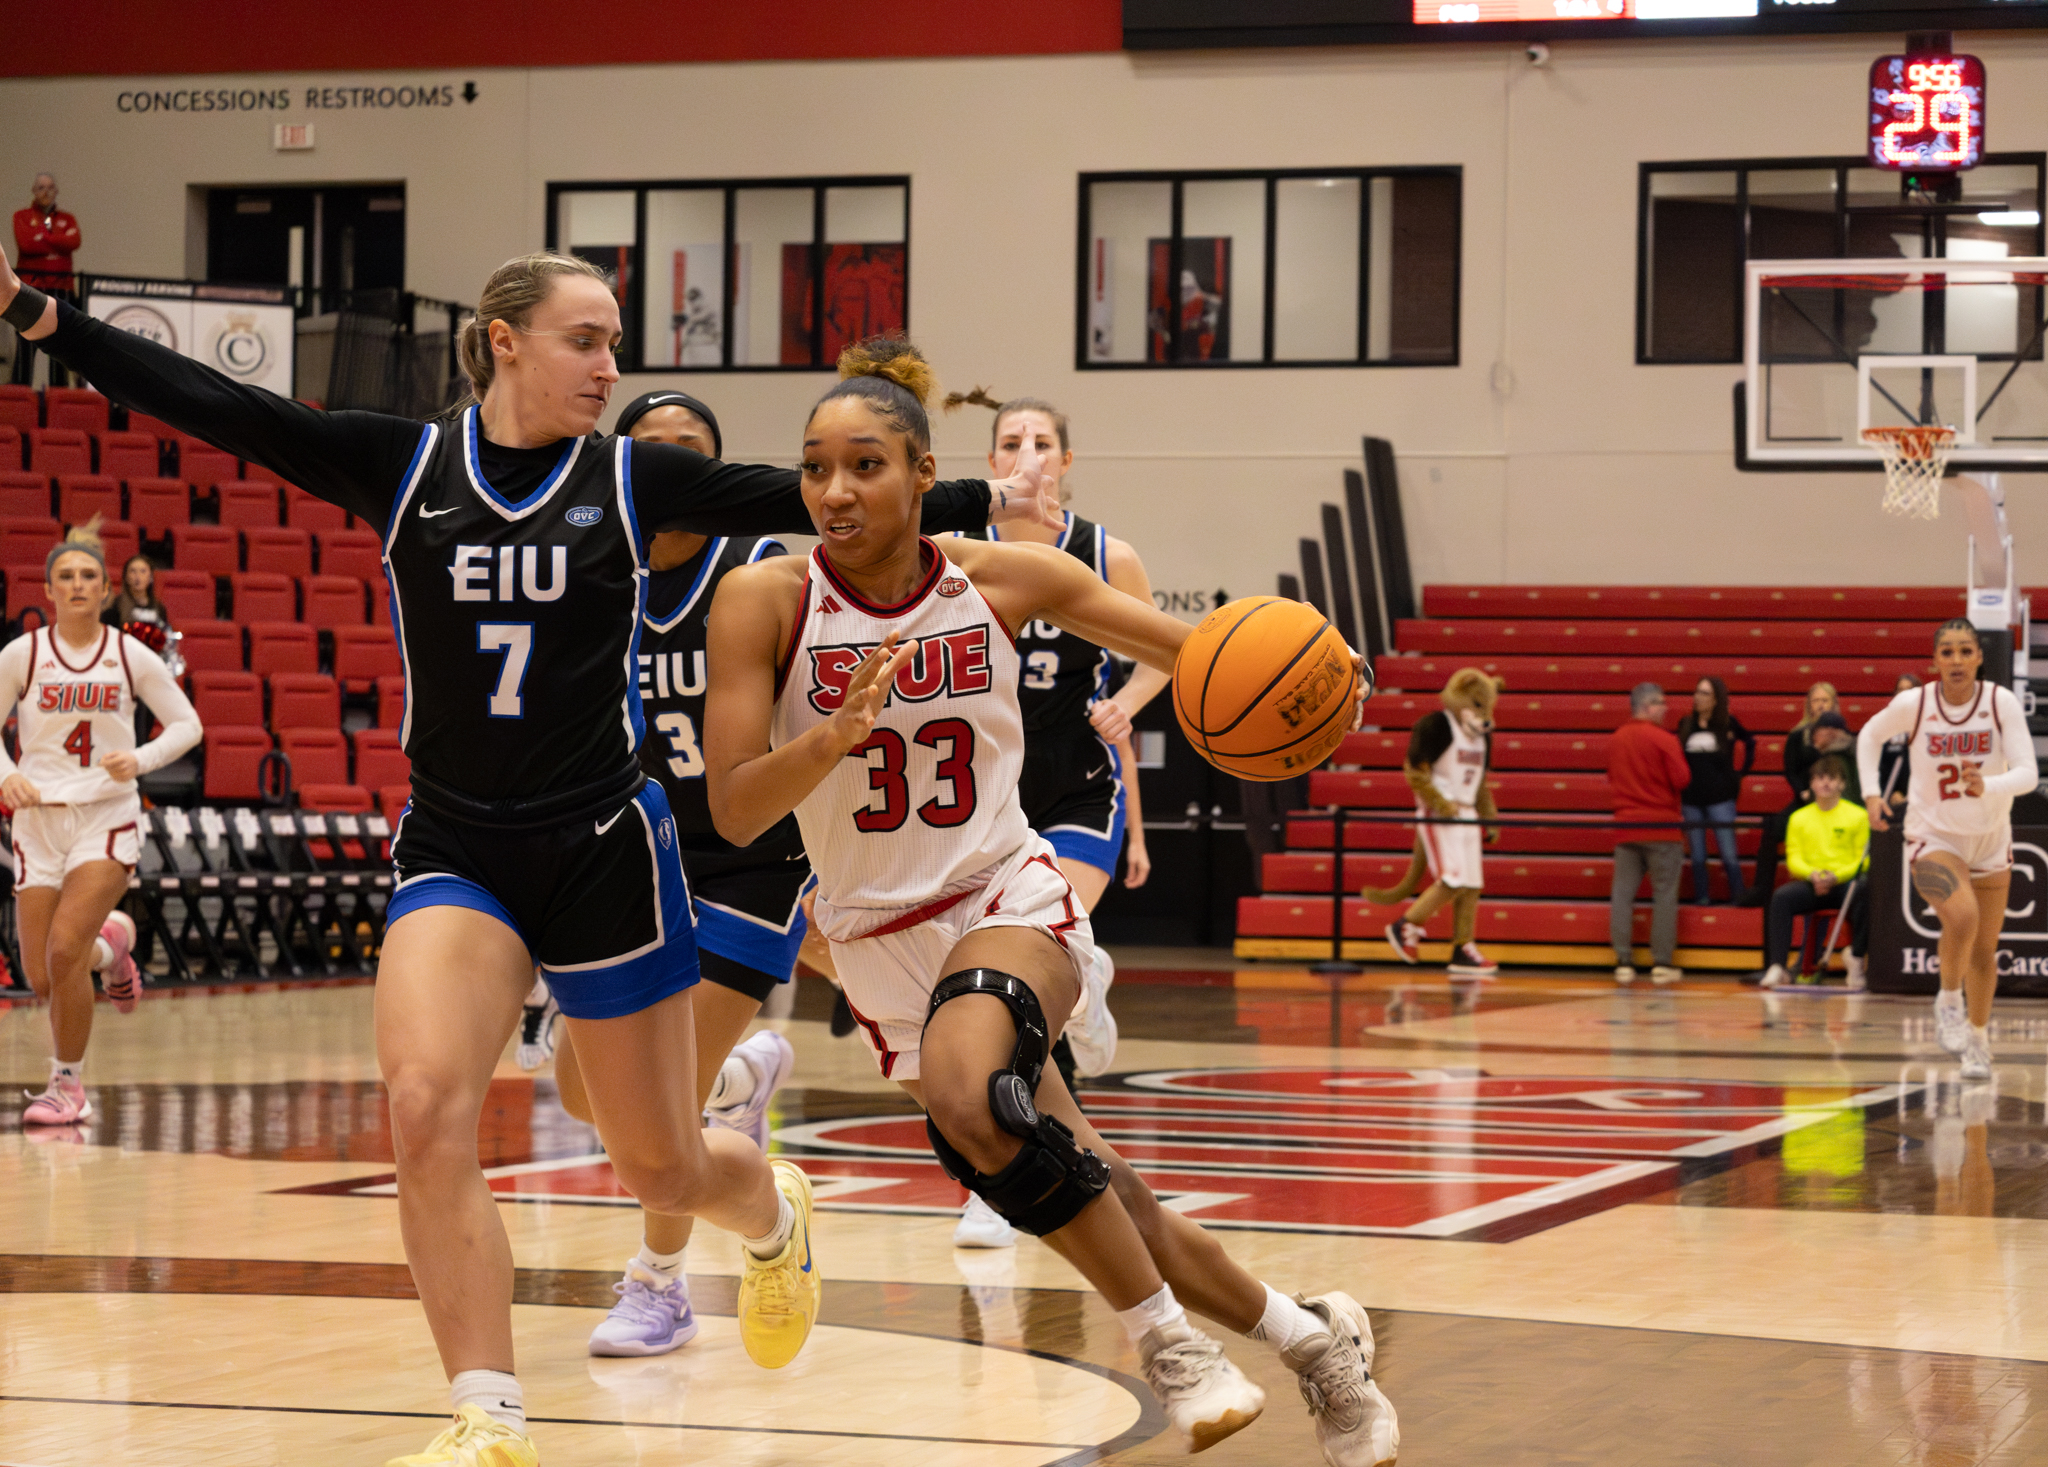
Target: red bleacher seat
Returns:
[357, 553]
[156, 428]
[186, 594]
[203, 466]
[75, 407]
[362, 655]
[54, 451]
[210, 548]
[335, 799]
[25, 540]
[128, 455]
[393, 799]
[20, 408]
[24, 495]
[263, 596]
[121, 541]
[25, 589]
[390, 702]
[10, 449]
[333, 601]
[1603, 713]
[304, 700]
[234, 755]
[287, 552]
[303, 511]
[318, 755]
[1642, 637]
[1383, 790]
[380, 601]
[211, 646]
[157, 505]
[1517, 750]
[282, 646]
[1563, 674]
[1857, 603]
[249, 504]
[1542, 921]
[81, 496]
[1581, 878]
[379, 760]
[221, 696]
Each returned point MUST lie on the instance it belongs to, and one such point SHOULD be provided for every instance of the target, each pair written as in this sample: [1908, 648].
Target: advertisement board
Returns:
[1904, 936]
[248, 332]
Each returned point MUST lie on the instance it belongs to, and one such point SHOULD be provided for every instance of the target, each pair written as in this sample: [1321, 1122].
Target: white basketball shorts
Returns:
[889, 974]
[1984, 852]
[1455, 851]
[52, 841]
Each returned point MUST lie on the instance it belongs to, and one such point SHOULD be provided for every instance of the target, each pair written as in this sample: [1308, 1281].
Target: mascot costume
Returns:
[1449, 754]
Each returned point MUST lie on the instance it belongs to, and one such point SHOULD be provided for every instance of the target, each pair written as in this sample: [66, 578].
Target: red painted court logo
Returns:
[952, 586]
[1418, 1153]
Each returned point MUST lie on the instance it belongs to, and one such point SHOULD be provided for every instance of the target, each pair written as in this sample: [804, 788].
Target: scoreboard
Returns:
[1191, 24]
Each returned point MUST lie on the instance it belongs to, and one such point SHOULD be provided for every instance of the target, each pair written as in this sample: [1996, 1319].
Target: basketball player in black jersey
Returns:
[1080, 781]
[745, 900]
[515, 540]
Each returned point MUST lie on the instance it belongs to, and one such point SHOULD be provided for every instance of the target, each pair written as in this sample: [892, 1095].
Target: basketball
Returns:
[1262, 688]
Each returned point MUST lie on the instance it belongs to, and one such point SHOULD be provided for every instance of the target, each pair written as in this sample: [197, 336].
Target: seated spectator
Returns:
[138, 599]
[1709, 733]
[1648, 772]
[1823, 731]
[1827, 847]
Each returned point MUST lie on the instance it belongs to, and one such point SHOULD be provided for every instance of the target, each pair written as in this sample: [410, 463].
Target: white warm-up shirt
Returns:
[78, 704]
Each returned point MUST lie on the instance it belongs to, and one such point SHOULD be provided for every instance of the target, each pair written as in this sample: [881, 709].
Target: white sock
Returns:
[776, 1238]
[1949, 998]
[102, 955]
[495, 1391]
[1981, 1033]
[1284, 1322]
[72, 1070]
[668, 1265]
[1158, 1312]
[538, 994]
[734, 1085]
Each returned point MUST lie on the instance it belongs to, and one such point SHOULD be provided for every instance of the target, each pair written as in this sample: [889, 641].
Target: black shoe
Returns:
[842, 1015]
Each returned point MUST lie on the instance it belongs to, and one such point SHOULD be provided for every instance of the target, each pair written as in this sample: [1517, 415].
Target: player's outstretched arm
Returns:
[750, 785]
[1025, 582]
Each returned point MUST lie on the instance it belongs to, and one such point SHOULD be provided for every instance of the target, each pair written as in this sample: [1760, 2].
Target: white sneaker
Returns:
[1623, 975]
[981, 1226]
[1951, 1021]
[537, 1034]
[1976, 1056]
[1091, 1032]
[1775, 976]
[1205, 1397]
[1859, 981]
[1664, 975]
[770, 1057]
[1355, 1423]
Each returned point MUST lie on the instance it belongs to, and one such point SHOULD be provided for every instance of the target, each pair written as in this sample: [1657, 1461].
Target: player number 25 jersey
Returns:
[930, 800]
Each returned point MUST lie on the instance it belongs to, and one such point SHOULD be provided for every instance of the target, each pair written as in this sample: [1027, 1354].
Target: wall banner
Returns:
[248, 332]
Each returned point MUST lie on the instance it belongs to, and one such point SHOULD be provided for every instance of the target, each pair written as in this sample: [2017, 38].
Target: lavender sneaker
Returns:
[652, 1316]
[771, 1058]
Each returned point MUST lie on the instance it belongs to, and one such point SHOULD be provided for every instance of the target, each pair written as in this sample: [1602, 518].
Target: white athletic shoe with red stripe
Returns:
[121, 978]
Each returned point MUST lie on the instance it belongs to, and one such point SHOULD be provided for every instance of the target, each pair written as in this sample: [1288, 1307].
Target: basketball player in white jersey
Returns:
[872, 688]
[76, 813]
[1079, 787]
[1971, 754]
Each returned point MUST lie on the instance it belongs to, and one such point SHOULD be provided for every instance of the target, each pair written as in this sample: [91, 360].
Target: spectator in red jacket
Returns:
[44, 239]
[1648, 771]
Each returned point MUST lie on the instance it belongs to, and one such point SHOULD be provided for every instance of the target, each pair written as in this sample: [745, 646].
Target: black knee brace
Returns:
[1051, 1179]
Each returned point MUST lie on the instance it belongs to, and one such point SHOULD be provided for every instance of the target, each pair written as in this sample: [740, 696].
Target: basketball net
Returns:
[1915, 458]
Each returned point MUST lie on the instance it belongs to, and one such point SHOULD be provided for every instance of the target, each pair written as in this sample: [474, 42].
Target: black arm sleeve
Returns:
[1429, 738]
[1745, 738]
[355, 460]
[677, 488]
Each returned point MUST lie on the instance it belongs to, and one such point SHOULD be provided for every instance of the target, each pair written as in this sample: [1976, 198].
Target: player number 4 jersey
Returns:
[930, 800]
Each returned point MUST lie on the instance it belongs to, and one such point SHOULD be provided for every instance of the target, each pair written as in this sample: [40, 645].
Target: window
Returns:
[743, 274]
[1341, 267]
[1699, 224]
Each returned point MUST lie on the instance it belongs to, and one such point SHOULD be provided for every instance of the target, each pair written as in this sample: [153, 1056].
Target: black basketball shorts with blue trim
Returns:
[600, 902]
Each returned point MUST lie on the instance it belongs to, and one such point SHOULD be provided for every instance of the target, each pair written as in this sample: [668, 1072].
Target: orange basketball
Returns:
[1262, 688]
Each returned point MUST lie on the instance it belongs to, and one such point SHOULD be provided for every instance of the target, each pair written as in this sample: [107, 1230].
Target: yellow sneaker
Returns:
[476, 1439]
[779, 1295]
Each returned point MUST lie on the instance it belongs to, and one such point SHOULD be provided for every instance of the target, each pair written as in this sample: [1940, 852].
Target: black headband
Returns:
[647, 402]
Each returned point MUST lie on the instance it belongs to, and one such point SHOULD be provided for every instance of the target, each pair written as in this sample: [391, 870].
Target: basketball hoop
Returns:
[1915, 458]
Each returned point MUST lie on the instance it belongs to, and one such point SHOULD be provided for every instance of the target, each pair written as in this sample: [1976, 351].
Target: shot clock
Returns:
[1926, 113]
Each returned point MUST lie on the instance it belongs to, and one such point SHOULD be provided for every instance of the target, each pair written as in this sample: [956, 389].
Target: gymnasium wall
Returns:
[1547, 455]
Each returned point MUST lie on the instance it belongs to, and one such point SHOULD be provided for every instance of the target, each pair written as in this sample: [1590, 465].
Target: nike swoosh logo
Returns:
[1095, 771]
[609, 823]
[807, 1251]
[433, 514]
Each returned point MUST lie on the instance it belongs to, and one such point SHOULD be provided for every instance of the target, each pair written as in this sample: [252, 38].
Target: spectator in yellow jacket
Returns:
[1827, 849]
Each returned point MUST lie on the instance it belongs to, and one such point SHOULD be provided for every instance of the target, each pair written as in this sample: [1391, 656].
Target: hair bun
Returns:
[894, 359]
[86, 534]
